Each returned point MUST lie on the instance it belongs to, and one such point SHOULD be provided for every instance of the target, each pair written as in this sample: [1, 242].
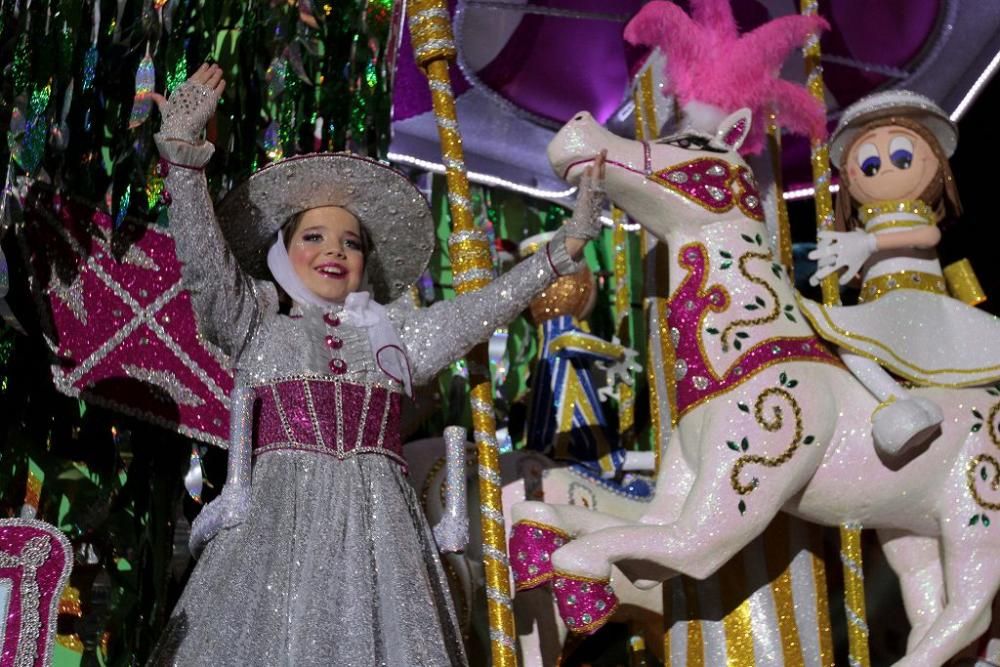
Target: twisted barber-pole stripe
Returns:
[850, 534]
[434, 48]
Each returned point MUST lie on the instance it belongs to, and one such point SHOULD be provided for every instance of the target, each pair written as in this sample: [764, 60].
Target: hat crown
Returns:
[905, 103]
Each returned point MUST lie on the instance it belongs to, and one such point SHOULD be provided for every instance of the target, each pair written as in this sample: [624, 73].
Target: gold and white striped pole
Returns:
[472, 268]
[623, 313]
[850, 534]
[781, 208]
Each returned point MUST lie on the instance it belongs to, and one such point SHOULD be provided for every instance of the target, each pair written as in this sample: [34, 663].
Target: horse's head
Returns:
[672, 184]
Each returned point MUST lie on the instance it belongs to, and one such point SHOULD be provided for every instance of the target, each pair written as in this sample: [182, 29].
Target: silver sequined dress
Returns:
[336, 564]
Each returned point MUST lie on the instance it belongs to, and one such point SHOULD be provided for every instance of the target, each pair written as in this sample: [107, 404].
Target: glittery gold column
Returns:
[660, 355]
[784, 225]
[434, 48]
[819, 154]
[32, 492]
[623, 317]
[850, 536]
[854, 595]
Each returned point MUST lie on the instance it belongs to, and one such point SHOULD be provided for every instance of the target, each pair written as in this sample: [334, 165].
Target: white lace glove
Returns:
[232, 506]
[230, 509]
[841, 250]
[187, 111]
[586, 221]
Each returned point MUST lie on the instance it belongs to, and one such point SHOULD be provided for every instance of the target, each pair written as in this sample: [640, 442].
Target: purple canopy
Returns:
[528, 65]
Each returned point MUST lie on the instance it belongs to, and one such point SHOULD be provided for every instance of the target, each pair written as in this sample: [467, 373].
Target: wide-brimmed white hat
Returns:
[391, 208]
[886, 104]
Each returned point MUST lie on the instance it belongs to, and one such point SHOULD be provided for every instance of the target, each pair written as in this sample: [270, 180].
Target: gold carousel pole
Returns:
[434, 49]
[850, 534]
[784, 225]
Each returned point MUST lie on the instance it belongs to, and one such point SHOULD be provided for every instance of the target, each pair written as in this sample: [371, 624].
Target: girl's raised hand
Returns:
[186, 112]
[586, 221]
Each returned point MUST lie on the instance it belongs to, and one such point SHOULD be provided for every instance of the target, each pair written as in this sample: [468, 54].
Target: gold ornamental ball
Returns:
[569, 295]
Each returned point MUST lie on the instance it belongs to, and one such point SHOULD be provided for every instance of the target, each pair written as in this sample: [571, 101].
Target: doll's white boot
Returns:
[903, 424]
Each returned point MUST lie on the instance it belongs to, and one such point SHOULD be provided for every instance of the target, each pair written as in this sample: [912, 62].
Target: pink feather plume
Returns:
[710, 62]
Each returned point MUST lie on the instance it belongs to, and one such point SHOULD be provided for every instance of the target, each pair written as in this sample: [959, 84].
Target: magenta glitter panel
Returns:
[710, 181]
[531, 548]
[687, 307]
[584, 604]
[119, 323]
[307, 414]
[35, 561]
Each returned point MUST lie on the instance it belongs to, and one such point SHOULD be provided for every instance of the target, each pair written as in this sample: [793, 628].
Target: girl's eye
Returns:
[901, 152]
[312, 237]
[868, 159]
[353, 244]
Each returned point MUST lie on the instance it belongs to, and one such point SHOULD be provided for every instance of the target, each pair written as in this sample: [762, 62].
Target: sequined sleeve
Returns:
[228, 304]
[444, 332]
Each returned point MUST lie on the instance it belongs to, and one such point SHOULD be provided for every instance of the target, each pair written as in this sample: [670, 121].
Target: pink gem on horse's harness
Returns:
[709, 182]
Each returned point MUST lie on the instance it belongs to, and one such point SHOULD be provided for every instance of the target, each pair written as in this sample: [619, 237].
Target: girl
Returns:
[892, 150]
[326, 558]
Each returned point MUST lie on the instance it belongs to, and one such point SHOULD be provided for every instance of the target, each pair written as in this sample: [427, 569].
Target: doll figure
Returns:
[566, 420]
[317, 550]
[892, 150]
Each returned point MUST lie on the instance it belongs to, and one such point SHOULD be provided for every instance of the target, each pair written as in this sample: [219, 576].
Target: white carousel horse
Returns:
[525, 475]
[769, 420]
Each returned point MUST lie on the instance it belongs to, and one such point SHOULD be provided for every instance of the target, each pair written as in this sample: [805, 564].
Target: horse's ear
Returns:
[733, 129]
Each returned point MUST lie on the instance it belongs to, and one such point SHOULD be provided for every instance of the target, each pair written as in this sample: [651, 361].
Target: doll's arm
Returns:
[850, 250]
[922, 237]
[436, 336]
[583, 345]
[228, 303]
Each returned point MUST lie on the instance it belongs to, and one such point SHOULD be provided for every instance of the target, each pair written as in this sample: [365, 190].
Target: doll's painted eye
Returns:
[868, 159]
[901, 152]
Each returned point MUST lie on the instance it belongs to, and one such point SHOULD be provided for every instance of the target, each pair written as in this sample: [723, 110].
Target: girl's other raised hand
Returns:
[188, 109]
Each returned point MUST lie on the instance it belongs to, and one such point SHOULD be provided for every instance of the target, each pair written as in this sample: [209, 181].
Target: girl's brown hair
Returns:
[941, 194]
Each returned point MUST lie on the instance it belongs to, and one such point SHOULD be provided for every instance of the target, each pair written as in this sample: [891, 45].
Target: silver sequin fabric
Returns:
[335, 564]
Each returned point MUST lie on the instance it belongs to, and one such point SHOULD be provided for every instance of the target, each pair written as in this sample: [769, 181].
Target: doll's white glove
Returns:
[187, 111]
[622, 369]
[841, 250]
[586, 221]
[228, 510]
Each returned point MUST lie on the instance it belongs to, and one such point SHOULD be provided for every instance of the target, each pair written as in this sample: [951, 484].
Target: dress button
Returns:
[338, 366]
[331, 319]
[334, 343]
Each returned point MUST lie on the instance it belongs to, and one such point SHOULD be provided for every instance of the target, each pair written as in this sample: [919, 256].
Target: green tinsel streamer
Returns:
[20, 73]
[178, 73]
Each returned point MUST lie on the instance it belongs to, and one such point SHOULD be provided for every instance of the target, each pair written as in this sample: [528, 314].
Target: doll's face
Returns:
[890, 162]
[326, 252]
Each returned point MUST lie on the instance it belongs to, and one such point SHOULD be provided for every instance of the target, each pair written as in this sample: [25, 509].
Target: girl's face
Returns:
[890, 162]
[326, 252]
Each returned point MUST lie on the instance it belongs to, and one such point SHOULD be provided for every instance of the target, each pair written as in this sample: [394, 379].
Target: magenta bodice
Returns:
[328, 416]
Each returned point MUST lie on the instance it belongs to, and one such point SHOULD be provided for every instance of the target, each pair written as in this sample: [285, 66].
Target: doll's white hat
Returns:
[390, 207]
[888, 103]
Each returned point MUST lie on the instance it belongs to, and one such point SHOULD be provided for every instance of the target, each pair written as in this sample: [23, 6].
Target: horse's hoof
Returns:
[900, 426]
[531, 547]
[585, 604]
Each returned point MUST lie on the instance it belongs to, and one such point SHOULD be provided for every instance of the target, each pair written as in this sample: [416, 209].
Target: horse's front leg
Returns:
[757, 449]
[539, 528]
